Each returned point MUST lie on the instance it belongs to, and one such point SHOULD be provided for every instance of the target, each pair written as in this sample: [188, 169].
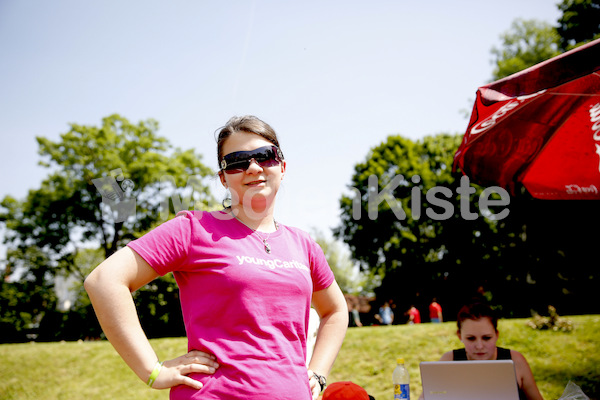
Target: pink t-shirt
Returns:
[247, 307]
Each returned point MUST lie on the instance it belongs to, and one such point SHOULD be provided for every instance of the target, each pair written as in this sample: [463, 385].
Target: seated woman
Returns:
[478, 330]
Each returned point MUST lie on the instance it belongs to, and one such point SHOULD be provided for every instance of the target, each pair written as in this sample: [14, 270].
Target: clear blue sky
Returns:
[334, 78]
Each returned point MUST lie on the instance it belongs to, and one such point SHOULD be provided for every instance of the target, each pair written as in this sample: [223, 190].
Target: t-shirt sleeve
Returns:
[322, 276]
[166, 247]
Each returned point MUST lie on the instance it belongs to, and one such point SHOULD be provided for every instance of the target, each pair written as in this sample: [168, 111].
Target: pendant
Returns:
[267, 247]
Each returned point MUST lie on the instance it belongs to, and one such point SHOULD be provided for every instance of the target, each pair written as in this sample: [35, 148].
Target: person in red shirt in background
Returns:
[435, 312]
[414, 316]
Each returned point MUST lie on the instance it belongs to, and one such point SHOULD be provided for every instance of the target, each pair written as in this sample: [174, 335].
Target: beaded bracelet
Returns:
[154, 373]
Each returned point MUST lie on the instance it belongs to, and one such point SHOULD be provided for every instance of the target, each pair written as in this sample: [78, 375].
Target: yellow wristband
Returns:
[154, 373]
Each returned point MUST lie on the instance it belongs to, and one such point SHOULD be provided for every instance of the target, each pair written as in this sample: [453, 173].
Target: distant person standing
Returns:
[414, 316]
[386, 315]
[354, 316]
[435, 312]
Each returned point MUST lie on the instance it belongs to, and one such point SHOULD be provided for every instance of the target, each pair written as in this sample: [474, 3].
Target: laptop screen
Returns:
[469, 380]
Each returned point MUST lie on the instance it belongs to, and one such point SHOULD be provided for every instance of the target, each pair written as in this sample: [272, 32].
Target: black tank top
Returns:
[461, 354]
[502, 354]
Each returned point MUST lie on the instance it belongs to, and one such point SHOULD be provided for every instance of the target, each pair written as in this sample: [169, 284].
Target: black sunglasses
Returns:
[239, 161]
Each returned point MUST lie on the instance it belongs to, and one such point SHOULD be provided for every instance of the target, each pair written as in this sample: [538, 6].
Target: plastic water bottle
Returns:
[401, 381]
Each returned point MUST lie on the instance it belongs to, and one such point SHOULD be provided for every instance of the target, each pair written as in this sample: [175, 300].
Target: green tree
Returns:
[408, 220]
[24, 298]
[528, 42]
[347, 274]
[423, 247]
[580, 22]
[106, 186]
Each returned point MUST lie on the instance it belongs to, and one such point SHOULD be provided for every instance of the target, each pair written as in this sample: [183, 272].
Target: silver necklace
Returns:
[264, 240]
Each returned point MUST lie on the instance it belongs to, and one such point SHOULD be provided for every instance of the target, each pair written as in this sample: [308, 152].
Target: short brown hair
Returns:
[477, 311]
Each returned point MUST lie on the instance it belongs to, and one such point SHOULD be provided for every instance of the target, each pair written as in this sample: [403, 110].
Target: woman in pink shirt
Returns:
[246, 286]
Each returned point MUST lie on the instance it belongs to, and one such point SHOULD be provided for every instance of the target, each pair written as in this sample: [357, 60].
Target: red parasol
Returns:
[539, 127]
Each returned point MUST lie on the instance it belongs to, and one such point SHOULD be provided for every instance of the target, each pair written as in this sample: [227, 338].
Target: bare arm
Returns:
[332, 308]
[525, 376]
[447, 356]
[109, 287]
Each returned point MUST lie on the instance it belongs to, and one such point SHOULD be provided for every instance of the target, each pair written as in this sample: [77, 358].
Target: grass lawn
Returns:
[93, 370]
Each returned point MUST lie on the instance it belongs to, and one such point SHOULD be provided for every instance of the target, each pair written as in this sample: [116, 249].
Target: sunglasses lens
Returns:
[239, 161]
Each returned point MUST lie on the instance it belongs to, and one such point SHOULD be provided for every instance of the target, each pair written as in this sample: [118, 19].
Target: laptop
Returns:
[469, 380]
